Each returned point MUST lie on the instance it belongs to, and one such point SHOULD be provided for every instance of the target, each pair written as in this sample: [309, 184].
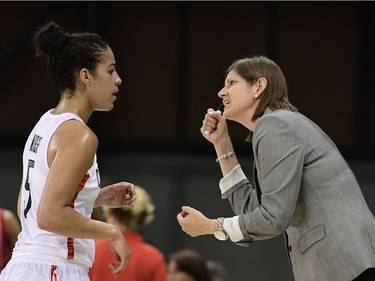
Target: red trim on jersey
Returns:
[70, 244]
[70, 241]
[53, 273]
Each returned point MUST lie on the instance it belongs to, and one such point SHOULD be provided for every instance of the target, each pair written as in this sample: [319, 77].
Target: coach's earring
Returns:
[256, 96]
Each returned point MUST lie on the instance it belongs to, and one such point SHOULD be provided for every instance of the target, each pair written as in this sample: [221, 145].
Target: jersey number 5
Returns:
[27, 187]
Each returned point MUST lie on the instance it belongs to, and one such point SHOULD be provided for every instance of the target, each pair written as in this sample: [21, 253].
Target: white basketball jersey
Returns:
[34, 242]
[3, 242]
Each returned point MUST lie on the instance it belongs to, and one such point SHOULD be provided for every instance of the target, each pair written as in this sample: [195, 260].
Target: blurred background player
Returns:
[9, 230]
[188, 265]
[147, 262]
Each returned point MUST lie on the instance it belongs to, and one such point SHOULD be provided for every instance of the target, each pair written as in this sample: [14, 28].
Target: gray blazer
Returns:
[309, 193]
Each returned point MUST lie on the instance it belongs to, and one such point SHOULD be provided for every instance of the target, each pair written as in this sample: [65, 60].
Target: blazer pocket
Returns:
[313, 236]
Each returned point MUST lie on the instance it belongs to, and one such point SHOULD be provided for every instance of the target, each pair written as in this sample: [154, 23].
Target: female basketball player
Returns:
[61, 180]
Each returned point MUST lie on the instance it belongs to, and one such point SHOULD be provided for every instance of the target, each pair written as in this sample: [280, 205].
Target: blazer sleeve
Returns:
[279, 159]
[234, 186]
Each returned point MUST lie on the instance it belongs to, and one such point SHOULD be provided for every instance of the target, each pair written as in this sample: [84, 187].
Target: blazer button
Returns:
[289, 248]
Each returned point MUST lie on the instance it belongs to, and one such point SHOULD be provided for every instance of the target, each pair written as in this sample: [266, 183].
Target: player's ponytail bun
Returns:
[49, 39]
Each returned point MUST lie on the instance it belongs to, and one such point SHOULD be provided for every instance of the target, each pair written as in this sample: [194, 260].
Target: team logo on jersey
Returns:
[35, 143]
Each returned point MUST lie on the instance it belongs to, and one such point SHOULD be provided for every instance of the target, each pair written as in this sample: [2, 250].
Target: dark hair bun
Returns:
[49, 39]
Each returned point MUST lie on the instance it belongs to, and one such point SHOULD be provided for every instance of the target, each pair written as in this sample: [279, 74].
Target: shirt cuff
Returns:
[232, 228]
[231, 179]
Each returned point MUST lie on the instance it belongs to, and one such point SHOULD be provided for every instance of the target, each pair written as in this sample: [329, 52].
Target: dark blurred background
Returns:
[172, 58]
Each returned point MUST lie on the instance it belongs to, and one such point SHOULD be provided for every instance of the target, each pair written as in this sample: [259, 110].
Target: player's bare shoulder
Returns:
[74, 135]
